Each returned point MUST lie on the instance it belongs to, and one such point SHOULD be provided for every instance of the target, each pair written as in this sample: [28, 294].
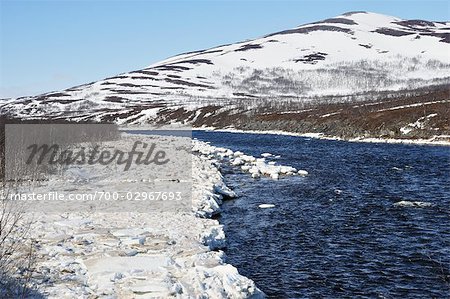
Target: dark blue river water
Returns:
[336, 232]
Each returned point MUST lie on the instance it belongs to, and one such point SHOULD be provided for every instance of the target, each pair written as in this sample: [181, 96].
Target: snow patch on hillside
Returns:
[348, 55]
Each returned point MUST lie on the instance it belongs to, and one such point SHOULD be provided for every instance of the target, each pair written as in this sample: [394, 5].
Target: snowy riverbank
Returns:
[441, 140]
[436, 140]
[128, 254]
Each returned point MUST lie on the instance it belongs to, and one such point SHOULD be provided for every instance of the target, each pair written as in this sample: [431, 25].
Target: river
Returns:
[339, 232]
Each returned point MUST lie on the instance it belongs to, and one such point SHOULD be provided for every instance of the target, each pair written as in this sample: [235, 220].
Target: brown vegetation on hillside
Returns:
[423, 113]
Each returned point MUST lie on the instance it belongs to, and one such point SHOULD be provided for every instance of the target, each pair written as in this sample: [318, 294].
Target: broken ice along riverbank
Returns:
[130, 253]
[127, 254]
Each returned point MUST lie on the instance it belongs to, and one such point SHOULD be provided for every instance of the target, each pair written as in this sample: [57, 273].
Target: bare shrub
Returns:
[17, 255]
[338, 79]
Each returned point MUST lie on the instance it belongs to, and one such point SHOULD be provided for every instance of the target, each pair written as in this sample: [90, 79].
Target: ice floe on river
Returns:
[266, 206]
[257, 167]
[417, 204]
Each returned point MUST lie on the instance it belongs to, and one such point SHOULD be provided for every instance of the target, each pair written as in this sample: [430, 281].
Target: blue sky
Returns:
[51, 45]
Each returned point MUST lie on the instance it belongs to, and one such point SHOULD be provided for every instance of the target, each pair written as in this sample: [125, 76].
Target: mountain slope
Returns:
[357, 56]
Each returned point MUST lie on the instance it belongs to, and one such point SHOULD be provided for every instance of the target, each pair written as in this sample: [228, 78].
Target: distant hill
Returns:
[326, 66]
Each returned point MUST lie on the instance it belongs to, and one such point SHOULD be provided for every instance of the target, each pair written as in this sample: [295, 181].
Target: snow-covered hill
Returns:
[354, 54]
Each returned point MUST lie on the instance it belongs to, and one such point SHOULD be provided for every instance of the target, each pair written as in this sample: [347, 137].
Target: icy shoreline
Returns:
[256, 166]
[169, 254]
[431, 141]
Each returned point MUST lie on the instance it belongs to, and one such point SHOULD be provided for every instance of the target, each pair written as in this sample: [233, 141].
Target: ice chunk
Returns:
[224, 190]
[237, 161]
[419, 204]
[256, 175]
[275, 176]
[238, 153]
[287, 169]
[302, 172]
[214, 237]
[266, 206]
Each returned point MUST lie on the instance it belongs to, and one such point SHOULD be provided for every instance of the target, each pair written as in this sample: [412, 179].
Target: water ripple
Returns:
[338, 233]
